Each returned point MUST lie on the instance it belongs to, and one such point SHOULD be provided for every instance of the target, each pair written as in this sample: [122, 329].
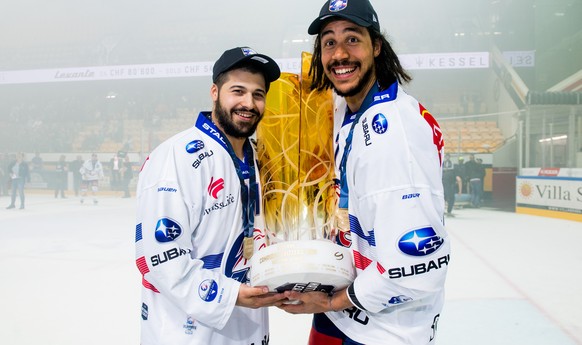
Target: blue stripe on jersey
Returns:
[356, 229]
[206, 126]
[212, 261]
[138, 234]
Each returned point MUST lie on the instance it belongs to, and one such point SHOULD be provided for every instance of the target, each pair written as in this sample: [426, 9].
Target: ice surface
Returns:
[68, 278]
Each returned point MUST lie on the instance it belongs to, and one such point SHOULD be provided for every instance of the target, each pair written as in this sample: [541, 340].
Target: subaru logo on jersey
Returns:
[167, 230]
[194, 146]
[420, 242]
[337, 5]
[380, 124]
[208, 290]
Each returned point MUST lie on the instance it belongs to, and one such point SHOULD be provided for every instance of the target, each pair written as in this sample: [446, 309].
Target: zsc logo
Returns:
[208, 290]
[380, 124]
[420, 242]
[194, 146]
[337, 5]
[399, 299]
[167, 230]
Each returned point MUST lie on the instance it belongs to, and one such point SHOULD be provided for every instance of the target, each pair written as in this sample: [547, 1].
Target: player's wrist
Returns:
[330, 303]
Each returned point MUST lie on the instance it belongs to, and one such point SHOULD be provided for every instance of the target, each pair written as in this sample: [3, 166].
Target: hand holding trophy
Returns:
[295, 149]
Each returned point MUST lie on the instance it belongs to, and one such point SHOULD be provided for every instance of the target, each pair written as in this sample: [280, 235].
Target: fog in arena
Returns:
[503, 78]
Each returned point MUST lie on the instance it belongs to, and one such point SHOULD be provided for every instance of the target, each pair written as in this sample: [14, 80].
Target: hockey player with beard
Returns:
[388, 160]
[198, 210]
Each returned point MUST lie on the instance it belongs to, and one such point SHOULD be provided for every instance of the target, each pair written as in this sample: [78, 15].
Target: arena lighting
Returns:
[553, 138]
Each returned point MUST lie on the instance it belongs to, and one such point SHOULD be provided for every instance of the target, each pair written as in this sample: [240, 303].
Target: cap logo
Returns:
[337, 5]
[248, 51]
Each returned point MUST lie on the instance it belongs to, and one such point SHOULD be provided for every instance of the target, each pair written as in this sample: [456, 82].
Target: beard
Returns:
[229, 127]
[356, 89]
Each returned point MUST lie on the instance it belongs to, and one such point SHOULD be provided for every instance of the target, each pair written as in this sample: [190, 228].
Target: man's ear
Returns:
[377, 47]
[214, 92]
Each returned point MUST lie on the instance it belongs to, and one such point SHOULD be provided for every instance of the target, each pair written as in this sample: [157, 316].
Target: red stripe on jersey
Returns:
[361, 261]
[148, 285]
[144, 163]
[437, 134]
[380, 268]
[142, 265]
[317, 338]
[143, 268]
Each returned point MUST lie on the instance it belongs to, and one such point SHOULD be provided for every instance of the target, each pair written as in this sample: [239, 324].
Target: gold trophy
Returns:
[295, 151]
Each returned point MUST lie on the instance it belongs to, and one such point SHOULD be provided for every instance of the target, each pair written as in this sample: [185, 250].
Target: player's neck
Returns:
[355, 102]
[237, 145]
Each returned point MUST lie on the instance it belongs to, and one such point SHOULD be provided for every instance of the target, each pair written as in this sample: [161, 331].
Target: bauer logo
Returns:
[208, 290]
[194, 146]
[167, 230]
[420, 242]
[380, 124]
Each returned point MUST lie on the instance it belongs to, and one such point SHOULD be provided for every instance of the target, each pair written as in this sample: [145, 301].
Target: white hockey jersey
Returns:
[395, 203]
[91, 171]
[189, 237]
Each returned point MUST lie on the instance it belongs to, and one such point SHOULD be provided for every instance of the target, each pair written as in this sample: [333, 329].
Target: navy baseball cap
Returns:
[236, 56]
[360, 12]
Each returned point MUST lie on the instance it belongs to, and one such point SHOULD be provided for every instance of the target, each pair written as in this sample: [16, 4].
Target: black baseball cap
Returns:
[236, 56]
[360, 12]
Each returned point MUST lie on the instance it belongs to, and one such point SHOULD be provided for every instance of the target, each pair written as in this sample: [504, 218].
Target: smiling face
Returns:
[239, 103]
[347, 55]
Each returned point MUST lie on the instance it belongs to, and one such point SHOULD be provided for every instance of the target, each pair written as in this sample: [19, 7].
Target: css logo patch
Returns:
[167, 230]
[380, 124]
[194, 146]
[208, 290]
[420, 242]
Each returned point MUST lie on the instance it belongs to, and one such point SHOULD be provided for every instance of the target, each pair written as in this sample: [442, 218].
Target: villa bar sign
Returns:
[562, 194]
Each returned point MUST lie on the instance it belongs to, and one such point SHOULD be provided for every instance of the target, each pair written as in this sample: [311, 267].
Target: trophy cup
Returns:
[295, 153]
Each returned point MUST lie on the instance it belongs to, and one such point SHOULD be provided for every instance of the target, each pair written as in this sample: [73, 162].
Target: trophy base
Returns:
[305, 265]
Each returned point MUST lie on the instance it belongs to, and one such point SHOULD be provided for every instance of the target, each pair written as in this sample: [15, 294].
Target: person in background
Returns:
[91, 172]
[3, 174]
[19, 175]
[449, 183]
[37, 162]
[75, 167]
[461, 173]
[62, 171]
[475, 175]
[482, 171]
[126, 176]
[115, 163]
[388, 157]
[199, 210]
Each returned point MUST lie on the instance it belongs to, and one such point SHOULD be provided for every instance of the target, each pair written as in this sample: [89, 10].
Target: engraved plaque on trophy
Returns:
[295, 152]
